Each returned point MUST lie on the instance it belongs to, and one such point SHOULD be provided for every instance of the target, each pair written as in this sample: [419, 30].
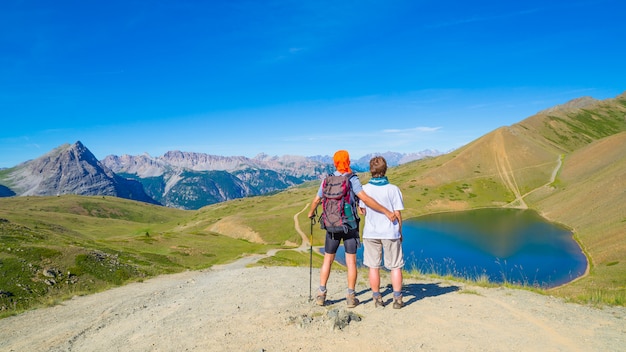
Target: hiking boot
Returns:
[320, 299]
[397, 302]
[378, 302]
[351, 300]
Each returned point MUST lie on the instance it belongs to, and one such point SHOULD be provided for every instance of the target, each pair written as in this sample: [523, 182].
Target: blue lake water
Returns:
[505, 245]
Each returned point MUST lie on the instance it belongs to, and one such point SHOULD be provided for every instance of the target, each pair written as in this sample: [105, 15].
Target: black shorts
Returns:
[351, 242]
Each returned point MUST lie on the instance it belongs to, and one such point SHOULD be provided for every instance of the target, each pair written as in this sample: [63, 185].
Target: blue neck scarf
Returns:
[379, 181]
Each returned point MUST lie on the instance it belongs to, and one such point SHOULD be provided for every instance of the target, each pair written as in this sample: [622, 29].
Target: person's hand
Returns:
[392, 216]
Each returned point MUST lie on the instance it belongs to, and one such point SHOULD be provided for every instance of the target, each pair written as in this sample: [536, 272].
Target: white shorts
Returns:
[373, 250]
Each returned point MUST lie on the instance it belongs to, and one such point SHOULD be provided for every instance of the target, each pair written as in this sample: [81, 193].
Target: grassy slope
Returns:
[589, 190]
[95, 242]
[484, 173]
[588, 196]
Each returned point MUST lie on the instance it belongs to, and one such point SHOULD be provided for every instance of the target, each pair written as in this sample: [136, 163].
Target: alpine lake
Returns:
[502, 245]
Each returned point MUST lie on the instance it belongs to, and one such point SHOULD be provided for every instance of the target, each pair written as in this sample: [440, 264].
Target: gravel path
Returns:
[234, 308]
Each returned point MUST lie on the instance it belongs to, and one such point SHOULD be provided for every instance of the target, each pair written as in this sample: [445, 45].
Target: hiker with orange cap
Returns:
[350, 238]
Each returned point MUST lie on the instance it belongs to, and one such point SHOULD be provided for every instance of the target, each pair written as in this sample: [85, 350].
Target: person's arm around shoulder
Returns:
[372, 203]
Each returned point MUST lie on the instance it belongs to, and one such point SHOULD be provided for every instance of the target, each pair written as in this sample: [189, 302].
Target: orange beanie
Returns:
[342, 161]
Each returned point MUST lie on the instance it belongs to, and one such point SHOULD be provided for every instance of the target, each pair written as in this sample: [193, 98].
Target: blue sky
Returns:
[293, 77]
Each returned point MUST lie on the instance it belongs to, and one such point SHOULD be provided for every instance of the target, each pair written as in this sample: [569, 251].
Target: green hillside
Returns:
[570, 165]
[52, 248]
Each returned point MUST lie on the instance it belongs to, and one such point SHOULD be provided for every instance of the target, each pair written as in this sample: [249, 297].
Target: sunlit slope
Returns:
[491, 171]
[263, 219]
[569, 163]
[569, 128]
[509, 164]
[589, 195]
[589, 191]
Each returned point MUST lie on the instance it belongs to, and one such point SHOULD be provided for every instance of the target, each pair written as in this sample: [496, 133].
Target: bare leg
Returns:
[326, 266]
[396, 279]
[375, 279]
[352, 272]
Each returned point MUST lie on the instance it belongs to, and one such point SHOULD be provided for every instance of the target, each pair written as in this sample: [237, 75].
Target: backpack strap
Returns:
[354, 199]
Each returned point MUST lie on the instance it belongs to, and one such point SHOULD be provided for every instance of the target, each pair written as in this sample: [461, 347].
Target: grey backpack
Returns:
[339, 204]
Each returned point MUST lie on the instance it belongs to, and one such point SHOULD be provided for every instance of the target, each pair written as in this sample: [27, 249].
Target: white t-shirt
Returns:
[377, 225]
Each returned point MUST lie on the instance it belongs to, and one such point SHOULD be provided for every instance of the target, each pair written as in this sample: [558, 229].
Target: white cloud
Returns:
[416, 129]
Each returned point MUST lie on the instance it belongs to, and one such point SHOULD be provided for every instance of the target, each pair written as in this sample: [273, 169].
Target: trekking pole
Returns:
[311, 257]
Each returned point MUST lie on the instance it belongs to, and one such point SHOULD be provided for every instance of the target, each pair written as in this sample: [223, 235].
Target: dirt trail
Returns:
[559, 164]
[505, 171]
[305, 239]
[507, 174]
[267, 309]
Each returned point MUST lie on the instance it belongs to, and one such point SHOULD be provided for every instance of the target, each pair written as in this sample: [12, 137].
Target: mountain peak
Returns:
[71, 169]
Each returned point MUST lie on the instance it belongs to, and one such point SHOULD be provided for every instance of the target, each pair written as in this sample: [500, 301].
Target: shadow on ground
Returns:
[416, 292]
[410, 292]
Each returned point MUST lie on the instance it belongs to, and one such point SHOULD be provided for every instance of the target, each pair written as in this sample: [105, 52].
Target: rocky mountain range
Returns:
[393, 159]
[176, 179]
